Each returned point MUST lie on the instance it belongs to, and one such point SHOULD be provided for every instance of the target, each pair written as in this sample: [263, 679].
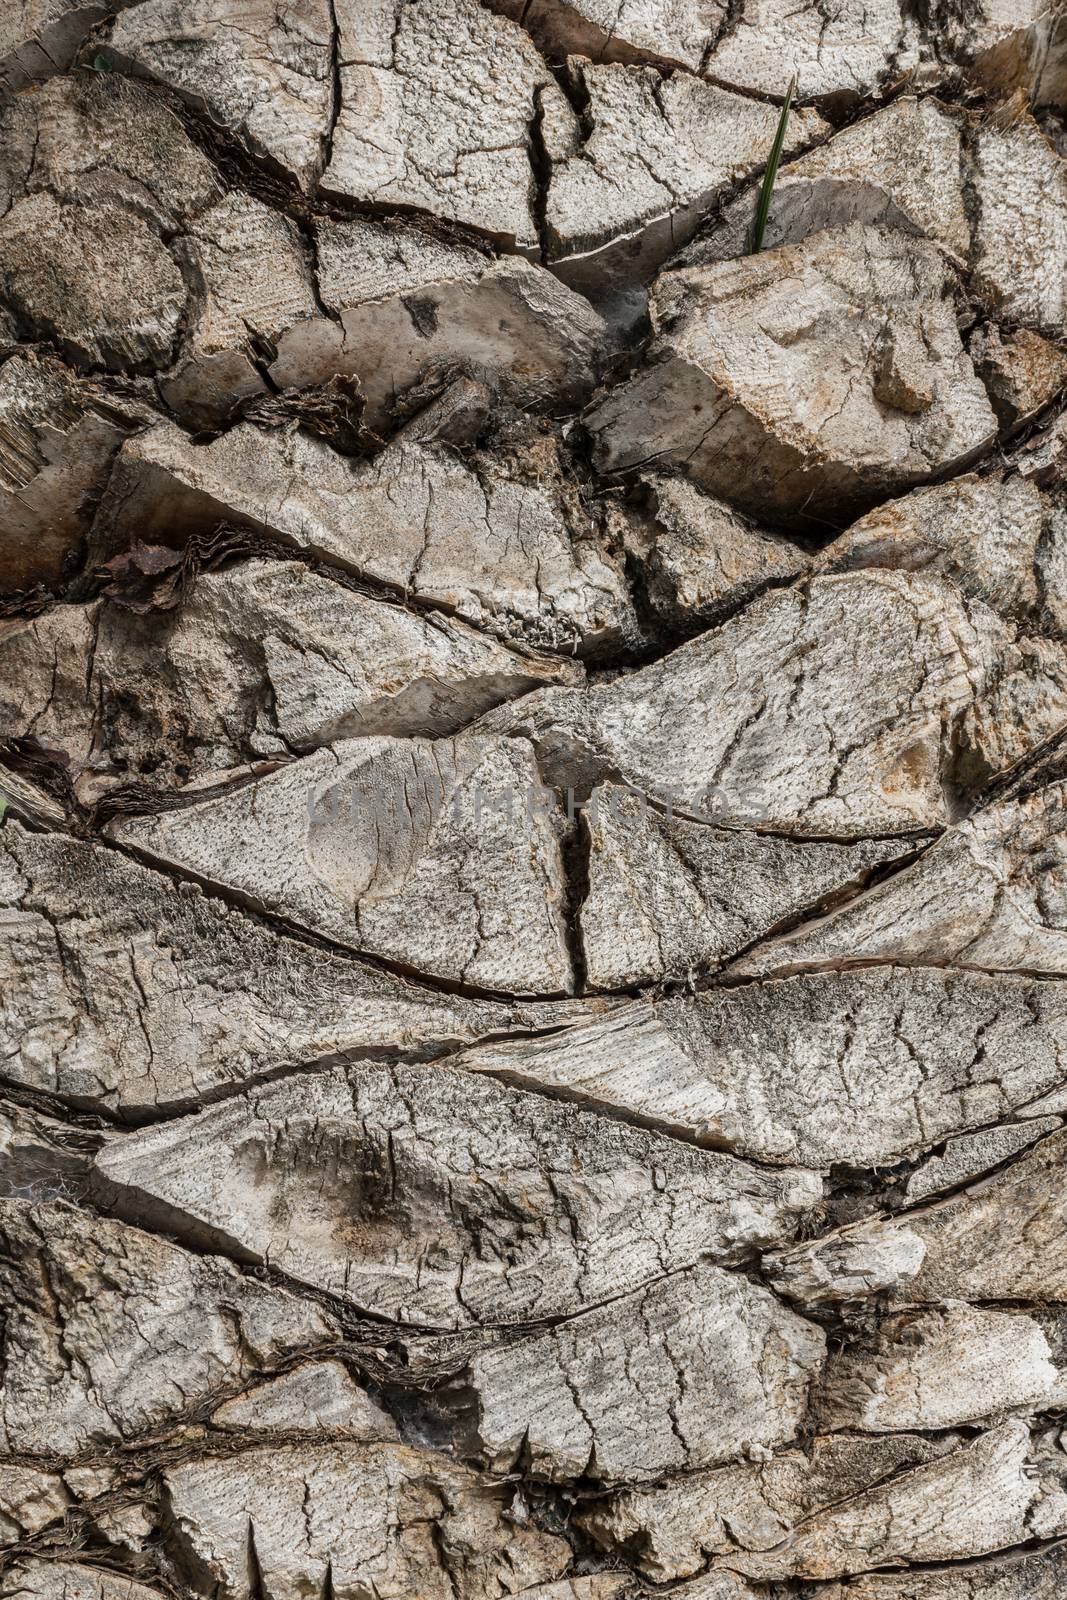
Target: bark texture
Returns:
[533, 800]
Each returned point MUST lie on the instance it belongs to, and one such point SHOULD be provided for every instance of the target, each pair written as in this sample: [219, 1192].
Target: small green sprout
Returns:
[759, 227]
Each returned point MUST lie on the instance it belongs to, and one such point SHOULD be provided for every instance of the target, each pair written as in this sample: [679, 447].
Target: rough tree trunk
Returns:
[533, 779]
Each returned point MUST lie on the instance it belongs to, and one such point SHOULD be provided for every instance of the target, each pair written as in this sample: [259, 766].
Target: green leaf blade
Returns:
[759, 227]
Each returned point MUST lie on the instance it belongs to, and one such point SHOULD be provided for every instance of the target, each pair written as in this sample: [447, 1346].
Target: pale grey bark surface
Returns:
[533, 862]
[172, 996]
[989, 893]
[319, 1398]
[865, 1067]
[126, 1302]
[754, 384]
[502, 541]
[990, 192]
[599, 1208]
[1000, 539]
[710, 1367]
[415, 125]
[669, 897]
[422, 853]
[631, 178]
[259, 70]
[71, 1580]
[179, 690]
[58, 438]
[404, 1519]
[699, 560]
[813, 733]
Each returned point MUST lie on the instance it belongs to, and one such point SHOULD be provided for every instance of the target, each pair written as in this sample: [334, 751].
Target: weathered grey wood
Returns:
[40, 37]
[1000, 539]
[988, 893]
[673, 674]
[101, 176]
[382, 302]
[898, 168]
[34, 1579]
[316, 1398]
[995, 1241]
[535, 1209]
[130, 1526]
[629, 183]
[125, 991]
[717, 1586]
[668, 897]
[100, 286]
[671, 1530]
[111, 1333]
[699, 559]
[862, 1068]
[22, 798]
[1027, 1576]
[851, 51]
[1020, 237]
[42, 1158]
[849, 1266]
[29, 1500]
[847, 54]
[251, 283]
[1007, 49]
[990, 191]
[676, 32]
[971, 1154]
[753, 384]
[181, 695]
[419, 124]
[981, 1498]
[1022, 371]
[102, 139]
[1043, 455]
[97, 177]
[440, 856]
[597, 1586]
[260, 73]
[940, 1368]
[814, 732]
[402, 301]
[501, 540]
[699, 1368]
[368, 1519]
[34, 1501]
[58, 437]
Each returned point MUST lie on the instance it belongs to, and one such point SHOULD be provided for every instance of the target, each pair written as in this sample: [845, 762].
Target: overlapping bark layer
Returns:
[533, 881]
